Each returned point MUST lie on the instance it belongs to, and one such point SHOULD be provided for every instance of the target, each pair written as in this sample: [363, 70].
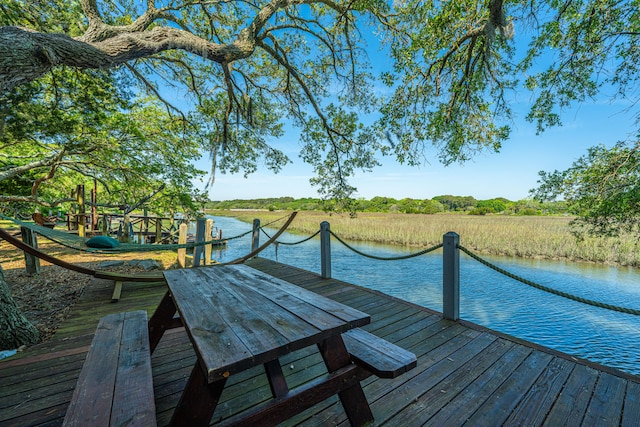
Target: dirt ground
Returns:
[47, 298]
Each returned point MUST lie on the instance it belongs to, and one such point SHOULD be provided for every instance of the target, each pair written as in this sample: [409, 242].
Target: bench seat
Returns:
[115, 386]
[377, 355]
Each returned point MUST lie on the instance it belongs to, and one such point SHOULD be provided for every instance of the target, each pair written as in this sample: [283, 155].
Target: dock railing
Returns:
[450, 268]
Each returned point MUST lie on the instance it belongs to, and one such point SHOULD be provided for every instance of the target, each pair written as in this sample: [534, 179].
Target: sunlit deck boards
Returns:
[465, 374]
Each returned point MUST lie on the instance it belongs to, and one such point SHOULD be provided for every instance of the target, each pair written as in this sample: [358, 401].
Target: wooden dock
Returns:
[466, 375]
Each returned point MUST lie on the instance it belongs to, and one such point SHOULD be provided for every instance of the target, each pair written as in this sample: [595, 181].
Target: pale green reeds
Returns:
[545, 237]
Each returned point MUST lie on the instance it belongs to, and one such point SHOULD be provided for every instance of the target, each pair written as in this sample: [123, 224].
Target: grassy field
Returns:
[545, 237]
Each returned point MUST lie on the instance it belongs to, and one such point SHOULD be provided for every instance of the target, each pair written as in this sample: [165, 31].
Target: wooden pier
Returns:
[466, 375]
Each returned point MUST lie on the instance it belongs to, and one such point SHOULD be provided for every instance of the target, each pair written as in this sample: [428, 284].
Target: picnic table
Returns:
[238, 318]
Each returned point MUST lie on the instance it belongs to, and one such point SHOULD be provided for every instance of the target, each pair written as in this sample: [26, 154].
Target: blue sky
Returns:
[511, 173]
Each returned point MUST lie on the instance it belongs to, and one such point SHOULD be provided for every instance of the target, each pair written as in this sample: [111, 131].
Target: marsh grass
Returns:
[547, 237]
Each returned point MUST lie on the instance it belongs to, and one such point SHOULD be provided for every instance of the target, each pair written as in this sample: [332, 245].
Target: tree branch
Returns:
[34, 199]
[46, 162]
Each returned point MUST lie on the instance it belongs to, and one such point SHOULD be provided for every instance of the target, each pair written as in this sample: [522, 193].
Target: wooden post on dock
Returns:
[94, 207]
[208, 235]
[198, 251]
[182, 239]
[255, 237]
[81, 208]
[158, 230]
[32, 263]
[325, 250]
[72, 223]
[451, 276]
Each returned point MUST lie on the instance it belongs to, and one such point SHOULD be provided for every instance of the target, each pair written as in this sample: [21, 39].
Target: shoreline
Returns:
[528, 237]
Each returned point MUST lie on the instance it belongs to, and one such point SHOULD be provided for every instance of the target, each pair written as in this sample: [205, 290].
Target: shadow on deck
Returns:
[465, 374]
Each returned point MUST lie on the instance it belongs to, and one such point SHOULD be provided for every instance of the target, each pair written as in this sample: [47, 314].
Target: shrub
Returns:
[482, 211]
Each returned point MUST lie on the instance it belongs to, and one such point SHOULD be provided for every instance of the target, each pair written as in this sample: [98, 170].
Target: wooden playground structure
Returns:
[142, 228]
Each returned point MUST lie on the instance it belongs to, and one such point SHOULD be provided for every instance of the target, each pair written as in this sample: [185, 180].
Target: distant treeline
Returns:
[439, 204]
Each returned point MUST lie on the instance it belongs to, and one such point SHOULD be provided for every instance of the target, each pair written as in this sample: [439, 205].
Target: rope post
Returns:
[182, 239]
[451, 276]
[158, 230]
[198, 251]
[208, 249]
[146, 221]
[255, 236]
[94, 208]
[81, 207]
[32, 263]
[325, 250]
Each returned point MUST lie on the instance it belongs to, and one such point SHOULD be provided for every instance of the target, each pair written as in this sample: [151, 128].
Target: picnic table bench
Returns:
[377, 355]
[115, 386]
[238, 317]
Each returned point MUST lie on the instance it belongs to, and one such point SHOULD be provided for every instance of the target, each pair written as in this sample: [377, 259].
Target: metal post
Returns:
[325, 250]
[451, 276]
[255, 237]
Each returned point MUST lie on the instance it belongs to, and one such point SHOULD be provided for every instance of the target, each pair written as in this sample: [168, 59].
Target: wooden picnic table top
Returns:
[238, 317]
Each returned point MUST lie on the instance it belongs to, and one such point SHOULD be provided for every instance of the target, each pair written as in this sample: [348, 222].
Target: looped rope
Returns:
[548, 289]
[275, 220]
[291, 243]
[425, 251]
[239, 235]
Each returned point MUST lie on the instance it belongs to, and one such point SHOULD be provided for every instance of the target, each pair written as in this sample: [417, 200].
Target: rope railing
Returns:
[238, 236]
[548, 289]
[278, 242]
[472, 255]
[306, 239]
[380, 258]
[276, 220]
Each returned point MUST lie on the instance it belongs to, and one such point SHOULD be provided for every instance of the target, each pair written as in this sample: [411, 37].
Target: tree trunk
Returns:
[26, 55]
[15, 329]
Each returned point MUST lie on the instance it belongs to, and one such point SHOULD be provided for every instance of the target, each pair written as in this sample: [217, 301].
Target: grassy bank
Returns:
[545, 237]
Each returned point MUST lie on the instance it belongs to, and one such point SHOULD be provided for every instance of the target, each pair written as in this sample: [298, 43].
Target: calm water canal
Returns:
[487, 297]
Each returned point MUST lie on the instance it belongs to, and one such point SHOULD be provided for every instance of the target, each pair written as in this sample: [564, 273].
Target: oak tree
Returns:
[602, 188]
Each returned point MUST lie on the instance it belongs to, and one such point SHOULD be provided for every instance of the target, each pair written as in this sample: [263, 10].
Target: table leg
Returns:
[353, 400]
[161, 320]
[198, 401]
[277, 381]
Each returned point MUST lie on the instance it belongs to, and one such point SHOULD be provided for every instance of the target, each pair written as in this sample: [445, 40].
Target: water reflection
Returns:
[487, 297]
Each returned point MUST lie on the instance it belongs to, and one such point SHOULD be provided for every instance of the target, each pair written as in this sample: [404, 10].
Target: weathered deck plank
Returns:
[466, 375]
[534, 406]
[571, 403]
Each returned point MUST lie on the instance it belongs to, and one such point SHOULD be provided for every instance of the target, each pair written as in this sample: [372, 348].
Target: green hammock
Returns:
[116, 276]
[78, 243]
